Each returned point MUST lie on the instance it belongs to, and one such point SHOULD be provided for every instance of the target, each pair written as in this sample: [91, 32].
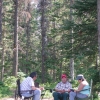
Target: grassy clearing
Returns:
[7, 88]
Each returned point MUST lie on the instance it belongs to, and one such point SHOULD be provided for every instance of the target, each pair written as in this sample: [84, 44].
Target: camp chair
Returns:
[18, 94]
[90, 97]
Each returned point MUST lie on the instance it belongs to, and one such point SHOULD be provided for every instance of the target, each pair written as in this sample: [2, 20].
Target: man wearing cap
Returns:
[83, 89]
[62, 89]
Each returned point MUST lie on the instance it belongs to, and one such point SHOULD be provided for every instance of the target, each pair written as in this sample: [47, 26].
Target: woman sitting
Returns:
[83, 90]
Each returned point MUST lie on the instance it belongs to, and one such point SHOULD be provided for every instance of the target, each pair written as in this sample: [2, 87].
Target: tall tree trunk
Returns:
[44, 38]
[72, 68]
[15, 51]
[71, 32]
[98, 21]
[1, 32]
[27, 45]
[1, 45]
[3, 51]
[97, 61]
[2, 61]
[54, 54]
[28, 38]
[0, 21]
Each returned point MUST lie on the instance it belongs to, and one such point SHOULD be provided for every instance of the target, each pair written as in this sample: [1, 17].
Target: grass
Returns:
[5, 91]
[47, 94]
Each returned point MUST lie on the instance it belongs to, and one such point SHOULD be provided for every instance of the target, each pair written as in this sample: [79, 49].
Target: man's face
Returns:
[64, 79]
[35, 77]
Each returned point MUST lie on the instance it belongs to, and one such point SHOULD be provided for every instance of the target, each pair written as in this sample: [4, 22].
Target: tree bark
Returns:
[1, 32]
[28, 39]
[98, 21]
[0, 21]
[3, 52]
[72, 68]
[15, 50]
[44, 38]
[2, 62]
[71, 32]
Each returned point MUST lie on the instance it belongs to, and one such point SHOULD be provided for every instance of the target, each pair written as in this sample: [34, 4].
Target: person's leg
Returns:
[79, 95]
[65, 96]
[26, 95]
[37, 94]
[56, 95]
[72, 95]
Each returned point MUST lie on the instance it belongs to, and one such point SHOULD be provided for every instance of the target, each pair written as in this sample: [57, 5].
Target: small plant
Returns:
[9, 84]
[20, 75]
[10, 81]
[4, 90]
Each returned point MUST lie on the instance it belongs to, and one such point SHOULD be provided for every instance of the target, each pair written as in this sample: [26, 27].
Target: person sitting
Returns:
[62, 89]
[83, 89]
[28, 85]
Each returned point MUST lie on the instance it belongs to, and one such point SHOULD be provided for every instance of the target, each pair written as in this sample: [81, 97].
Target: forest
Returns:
[50, 37]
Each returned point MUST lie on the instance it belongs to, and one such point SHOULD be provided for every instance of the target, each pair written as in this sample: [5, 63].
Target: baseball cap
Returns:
[80, 76]
[63, 76]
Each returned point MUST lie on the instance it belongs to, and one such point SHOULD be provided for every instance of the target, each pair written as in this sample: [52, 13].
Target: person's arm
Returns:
[69, 87]
[32, 85]
[81, 86]
[57, 89]
[34, 88]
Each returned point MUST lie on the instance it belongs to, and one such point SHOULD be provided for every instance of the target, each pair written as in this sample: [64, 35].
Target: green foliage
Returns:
[97, 86]
[50, 85]
[20, 75]
[59, 47]
[1, 83]
[95, 96]
[74, 83]
[10, 81]
[89, 73]
[82, 7]
[4, 90]
[47, 87]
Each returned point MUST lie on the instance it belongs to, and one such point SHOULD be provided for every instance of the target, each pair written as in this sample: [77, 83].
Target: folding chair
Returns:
[18, 94]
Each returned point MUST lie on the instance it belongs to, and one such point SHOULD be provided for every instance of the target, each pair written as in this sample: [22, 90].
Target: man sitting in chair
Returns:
[62, 89]
[28, 85]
